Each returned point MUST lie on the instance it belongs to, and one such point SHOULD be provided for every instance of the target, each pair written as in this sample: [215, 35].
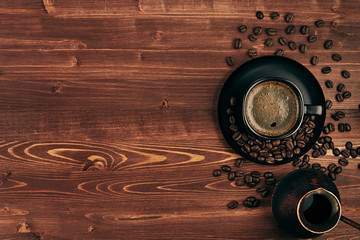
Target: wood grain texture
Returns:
[109, 116]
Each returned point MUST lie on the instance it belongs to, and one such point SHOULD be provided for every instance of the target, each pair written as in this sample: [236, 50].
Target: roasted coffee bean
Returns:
[289, 17]
[339, 98]
[347, 127]
[229, 111]
[306, 158]
[314, 60]
[353, 153]
[256, 180]
[259, 15]
[329, 84]
[319, 23]
[255, 174]
[332, 176]
[276, 143]
[252, 37]
[340, 114]
[315, 154]
[321, 140]
[247, 148]
[256, 204]
[327, 139]
[240, 182]
[311, 124]
[279, 52]
[343, 162]
[241, 142]
[338, 170]
[345, 74]
[289, 145]
[346, 94]
[252, 184]
[359, 166]
[239, 173]
[289, 154]
[252, 52]
[328, 44]
[336, 152]
[248, 204]
[341, 127]
[231, 176]
[271, 31]
[242, 28]
[261, 189]
[236, 136]
[340, 87]
[282, 41]
[322, 151]
[232, 119]
[304, 165]
[290, 29]
[323, 169]
[301, 144]
[316, 166]
[336, 57]
[257, 30]
[326, 70]
[328, 104]
[309, 130]
[233, 205]
[358, 150]
[226, 168]
[304, 29]
[331, 167]
[292, 45]
[274, 15]
[234, 127]
[311, 38]
[270, 160]
[332, 146]
[237, 43]
[316, 146]
[263, 153]
[326, 130]
[268, 175]
[348, 145]
[251, 142]
[251, 199]
[297, 151]
[269, 42]
[253, 154]
[331, 127]
[268, 145]
[230, 61]
[345, 153]
[216, 172]
[270, 181]
[255, 148]
[248, 178]
[297, 162]
[303, 48]
[265, 193]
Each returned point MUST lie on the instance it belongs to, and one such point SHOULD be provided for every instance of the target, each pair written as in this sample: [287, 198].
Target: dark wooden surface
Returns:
[132, 86]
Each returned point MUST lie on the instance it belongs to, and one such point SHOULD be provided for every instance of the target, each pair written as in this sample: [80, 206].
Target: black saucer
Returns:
[241, 79]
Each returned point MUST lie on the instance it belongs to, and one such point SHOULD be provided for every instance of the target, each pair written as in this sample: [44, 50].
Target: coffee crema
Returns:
[272, 108]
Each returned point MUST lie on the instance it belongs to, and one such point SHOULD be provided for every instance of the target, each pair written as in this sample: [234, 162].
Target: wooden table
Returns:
[109, 116]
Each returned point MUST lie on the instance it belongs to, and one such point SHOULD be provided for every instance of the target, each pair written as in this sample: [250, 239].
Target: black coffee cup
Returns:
[274, 108]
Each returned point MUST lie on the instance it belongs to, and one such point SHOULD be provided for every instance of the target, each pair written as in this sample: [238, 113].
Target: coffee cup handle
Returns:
[313, 109]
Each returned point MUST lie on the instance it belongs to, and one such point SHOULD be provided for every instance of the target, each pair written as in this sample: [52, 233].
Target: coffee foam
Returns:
[272, 108]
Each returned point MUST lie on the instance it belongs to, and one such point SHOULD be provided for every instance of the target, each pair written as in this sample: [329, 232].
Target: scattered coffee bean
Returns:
[270, 181]
[304, 29]
[332, 176]
[216, 172]
[340, 114]
[232, 101]
[327, 139]
[231, 176]
[270, 160]
[239, 173]
[326, 130]
[331, 127]
[332, 145]
[338, 170]
[322, 151]
[348, 145]
[261, 189]
[247, 204]
[290, 29]
[271, 31]
[326, 70]
[252, 52]
[239, 162]
[346, 94]
[314, 60]
[323, 169]
[236, 136]
[259, 15]
[289, 17]
[248, 178]
[328, 44]
[319, 23]
[329, 84]
[347, 127]
[353, 153]
[269, 42]
[316, 166]
[240, 182]
[229, 111]
[252, 184]
[226, 168]
[257, 30]
[303, 48]
[321, 140]
[315, 154]
[274, 15]
[341, 127]
[256, 180]
[339, 97]
[328, 104]
[233, 205]
[265, 193]
[306, 158]
[282, 41]
[232, 119]
[252, 37]
[242, 28]
[336, 152]
[336, 57]
[311, 38]
[237, 43]
[331, 167]
[268, 175]
[255, 174]
[297, 162]
[340, 87]
[292, 45]
[343, 162]
[279, 52]
[230, 61]
[358, 150]
[345, 153]
[345, 74]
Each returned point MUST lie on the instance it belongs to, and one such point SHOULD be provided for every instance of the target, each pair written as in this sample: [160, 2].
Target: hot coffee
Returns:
[272, 108]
